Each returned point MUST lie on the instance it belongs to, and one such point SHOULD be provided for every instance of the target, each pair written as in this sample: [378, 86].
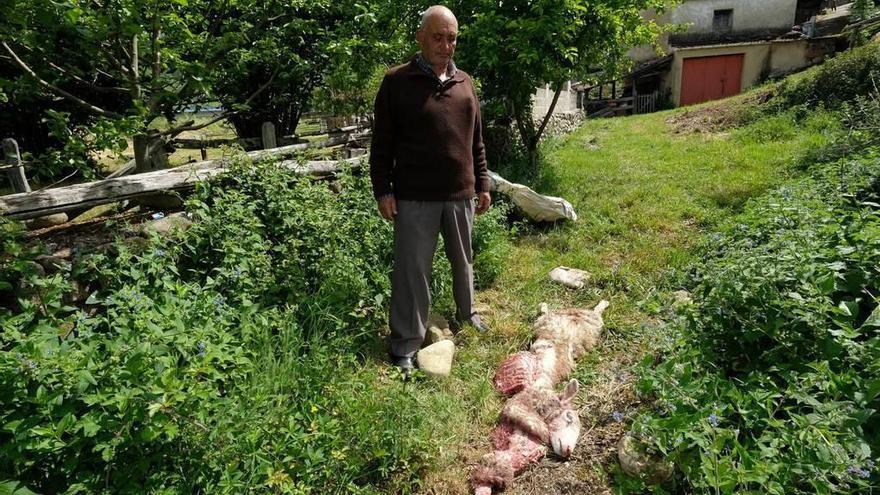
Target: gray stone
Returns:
[79, 292]
[166, 225]
[46, 221]
[98, 211]
[65, 253]
[53, 264]
[35, 267]
[438, 330]
[636, 462]
[436, 359]
[569, 277]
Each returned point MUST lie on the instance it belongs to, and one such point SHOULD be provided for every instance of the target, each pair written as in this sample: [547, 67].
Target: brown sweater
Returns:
[427, 138]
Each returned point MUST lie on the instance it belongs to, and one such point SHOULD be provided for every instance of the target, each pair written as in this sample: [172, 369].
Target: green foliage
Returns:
[515, 47]
[841, 79]
[229, 359]
[769, 383]
[122, 66]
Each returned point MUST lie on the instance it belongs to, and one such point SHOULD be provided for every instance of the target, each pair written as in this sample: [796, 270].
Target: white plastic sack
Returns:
[535, 206]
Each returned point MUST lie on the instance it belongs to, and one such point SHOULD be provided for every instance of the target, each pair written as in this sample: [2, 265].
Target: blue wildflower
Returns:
[219, 301]
[160, 253]
[202, 346]
[236, 273]
[713, 419]
[617, 416]
[857, 471]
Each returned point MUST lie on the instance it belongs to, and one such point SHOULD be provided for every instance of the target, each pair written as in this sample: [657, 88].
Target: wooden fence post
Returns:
[149, 153]
[14, 169]
[269, 139]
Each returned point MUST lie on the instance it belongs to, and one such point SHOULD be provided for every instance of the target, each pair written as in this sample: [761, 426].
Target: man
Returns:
[427, 162]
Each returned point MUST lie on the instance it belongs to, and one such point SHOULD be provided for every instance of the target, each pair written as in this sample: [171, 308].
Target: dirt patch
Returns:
[717, 117]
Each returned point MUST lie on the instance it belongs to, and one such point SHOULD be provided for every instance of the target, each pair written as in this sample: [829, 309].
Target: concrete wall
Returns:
[761, 60]
[748, 15]
[755, 60]
[543, 97]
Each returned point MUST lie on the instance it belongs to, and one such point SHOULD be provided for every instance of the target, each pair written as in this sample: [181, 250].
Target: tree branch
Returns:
[57, 90]
[549, 111]
[90, 85]
[188, 126]
[135, 69]
[154, 42]
[517, 115]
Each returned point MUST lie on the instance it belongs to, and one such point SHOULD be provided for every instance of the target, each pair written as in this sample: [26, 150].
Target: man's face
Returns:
[437, 39]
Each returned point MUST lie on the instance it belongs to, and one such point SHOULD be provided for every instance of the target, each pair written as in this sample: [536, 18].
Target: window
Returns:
[723, 21]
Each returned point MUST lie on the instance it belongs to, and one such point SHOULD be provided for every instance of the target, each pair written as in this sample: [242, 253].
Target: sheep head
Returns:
[565, 427]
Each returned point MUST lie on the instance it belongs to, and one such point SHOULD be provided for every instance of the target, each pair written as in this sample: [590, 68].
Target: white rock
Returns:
[682, 298]
[569, 277]
[436, 359]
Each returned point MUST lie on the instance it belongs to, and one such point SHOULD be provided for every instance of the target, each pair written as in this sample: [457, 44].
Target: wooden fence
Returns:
[24, 203]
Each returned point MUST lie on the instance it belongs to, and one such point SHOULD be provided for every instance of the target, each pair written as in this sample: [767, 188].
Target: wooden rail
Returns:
[63, 199]
[80, 196]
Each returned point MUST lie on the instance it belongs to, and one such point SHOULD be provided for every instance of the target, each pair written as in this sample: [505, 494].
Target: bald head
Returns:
[437, 35]
[436, 11]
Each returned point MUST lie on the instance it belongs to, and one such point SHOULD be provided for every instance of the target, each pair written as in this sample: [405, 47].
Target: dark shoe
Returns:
[404, 364]
[474, 321]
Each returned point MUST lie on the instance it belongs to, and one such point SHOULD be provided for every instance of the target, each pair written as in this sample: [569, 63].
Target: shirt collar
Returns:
[423, 64]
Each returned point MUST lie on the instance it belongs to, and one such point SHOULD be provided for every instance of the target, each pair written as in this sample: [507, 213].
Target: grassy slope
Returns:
[644, 196]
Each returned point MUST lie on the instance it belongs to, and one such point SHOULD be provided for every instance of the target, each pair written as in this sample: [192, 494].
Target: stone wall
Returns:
[563, 123]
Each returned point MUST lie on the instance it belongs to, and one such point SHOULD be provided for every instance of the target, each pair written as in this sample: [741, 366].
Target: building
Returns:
[730, 45]
[722, 47]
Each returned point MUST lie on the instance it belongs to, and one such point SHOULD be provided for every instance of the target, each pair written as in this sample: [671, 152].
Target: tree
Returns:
[124, 62]
[514, 46]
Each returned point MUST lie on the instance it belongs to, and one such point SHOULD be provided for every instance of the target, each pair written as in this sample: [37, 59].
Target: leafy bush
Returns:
[770, 382]
[841, 79]
[227, 360]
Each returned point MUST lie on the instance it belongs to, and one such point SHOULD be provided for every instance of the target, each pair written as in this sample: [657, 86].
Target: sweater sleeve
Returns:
[481, 168]
[382, 143]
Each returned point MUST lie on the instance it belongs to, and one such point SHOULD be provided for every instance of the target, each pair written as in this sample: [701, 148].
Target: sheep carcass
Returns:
[530, 421]
[561, 337]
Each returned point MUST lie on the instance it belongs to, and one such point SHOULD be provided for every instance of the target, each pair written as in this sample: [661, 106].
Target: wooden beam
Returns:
[62, 199]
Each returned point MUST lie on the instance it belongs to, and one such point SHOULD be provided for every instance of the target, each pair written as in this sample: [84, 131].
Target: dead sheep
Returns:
[562, 336]
[530, 421]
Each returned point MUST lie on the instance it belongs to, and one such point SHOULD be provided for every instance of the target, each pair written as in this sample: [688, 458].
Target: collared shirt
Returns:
[451, 69]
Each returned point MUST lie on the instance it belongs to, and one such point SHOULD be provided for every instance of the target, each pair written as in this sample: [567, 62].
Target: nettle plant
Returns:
[227, 359]
[770, 382]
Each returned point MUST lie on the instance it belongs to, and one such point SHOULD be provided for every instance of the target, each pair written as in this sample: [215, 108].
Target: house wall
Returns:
[756, 56]
[543, 97]
[748, 15]
[760, 60]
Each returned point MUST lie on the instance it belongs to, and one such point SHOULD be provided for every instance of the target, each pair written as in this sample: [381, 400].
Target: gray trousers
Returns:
[415, 239]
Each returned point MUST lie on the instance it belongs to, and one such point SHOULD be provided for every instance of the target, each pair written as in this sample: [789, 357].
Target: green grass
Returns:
[644, 198]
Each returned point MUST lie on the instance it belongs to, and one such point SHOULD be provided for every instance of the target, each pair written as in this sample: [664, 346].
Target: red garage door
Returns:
[710, 78]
